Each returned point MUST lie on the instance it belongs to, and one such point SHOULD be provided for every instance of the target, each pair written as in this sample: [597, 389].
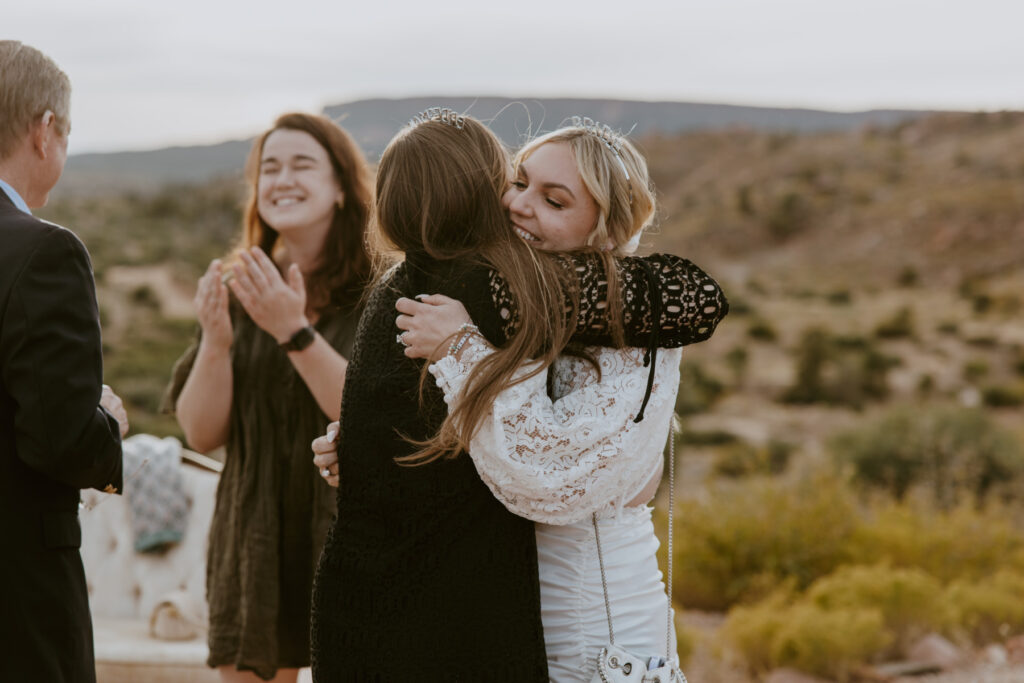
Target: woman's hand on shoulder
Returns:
[278, 307]
[428, 323]
[211, 304]
[325, 454]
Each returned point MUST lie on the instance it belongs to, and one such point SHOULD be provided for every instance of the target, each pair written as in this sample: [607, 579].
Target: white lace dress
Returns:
[557, 461]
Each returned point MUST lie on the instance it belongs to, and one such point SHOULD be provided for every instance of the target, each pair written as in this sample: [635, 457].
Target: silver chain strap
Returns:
[604, 584]
[671, 512]
[671, 519]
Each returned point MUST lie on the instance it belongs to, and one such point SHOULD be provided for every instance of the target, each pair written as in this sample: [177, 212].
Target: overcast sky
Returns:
[149, 74]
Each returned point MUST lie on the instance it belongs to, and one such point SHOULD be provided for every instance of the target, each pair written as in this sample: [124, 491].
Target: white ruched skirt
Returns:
[572, 602]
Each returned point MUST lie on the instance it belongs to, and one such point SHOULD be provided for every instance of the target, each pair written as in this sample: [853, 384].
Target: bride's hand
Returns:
[429, 324]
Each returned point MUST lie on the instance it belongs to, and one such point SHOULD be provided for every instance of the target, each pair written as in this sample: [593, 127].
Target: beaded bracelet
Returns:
[465, 331]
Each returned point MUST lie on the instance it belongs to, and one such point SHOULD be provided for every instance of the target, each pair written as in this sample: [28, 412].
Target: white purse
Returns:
[618, 665]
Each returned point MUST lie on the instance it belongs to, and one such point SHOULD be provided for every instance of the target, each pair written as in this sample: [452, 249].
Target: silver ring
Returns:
[325, 472]
[398, 338]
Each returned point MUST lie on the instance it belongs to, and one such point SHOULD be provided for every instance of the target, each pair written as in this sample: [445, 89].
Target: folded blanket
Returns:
[155, 491]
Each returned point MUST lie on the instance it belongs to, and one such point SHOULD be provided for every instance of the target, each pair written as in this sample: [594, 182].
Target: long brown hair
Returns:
[344, 269]
[439, 193]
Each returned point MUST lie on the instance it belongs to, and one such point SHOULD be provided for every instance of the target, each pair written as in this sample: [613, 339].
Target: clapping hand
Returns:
[211, 303]
[278, 307]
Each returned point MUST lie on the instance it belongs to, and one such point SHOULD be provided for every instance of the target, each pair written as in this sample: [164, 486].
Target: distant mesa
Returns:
[373, 122]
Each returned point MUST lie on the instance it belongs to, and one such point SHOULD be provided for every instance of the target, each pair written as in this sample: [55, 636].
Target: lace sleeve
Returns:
[557, 461]
[686, 306]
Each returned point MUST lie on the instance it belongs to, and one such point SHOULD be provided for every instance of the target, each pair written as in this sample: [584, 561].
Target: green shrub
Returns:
[787, 216]
[697, 389]
[804, 636]
[962, 543]
[989, 609]
[742, 459]
[838, 371]
[839, 297]
[750, 536]
[954, 451]
[909, 599]
[949, 327]
[975, 369]
[1003, 395]
[711, 437]
[900, 325]
[738, 359]
[829, 642]
[752, 630]
[761, 330]
[908, 277]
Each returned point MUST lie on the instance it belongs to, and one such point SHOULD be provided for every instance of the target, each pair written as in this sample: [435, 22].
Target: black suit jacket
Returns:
[54, 441]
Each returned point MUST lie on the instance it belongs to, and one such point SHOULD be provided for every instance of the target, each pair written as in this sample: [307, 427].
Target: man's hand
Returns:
[112, 402]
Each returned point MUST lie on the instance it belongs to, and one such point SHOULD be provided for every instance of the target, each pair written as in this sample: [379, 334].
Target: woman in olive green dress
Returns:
[277, 321]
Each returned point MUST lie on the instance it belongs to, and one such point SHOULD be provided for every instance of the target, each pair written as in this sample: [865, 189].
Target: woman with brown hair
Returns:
[265, 377]
[567, 448]
[425, 576]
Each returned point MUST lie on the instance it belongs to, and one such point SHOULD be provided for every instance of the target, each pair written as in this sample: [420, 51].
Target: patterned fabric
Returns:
[558, 461]
[155, 491]
[688, 301]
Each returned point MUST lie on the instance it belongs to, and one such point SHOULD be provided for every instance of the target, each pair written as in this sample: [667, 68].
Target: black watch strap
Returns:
[300, 340]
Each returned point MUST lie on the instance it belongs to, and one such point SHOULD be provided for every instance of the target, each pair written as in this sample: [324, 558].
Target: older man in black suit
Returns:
[60, 427]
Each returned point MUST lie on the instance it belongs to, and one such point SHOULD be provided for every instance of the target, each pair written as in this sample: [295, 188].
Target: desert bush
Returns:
[742, 459]
[739, 306]
[908, 277]
[762, 330]
[949, 327]
[710, 437]
[811, 356]
[909, 599]
[963, 543]
[750, 536]
[698, 390]
[954, 451]
[975, 369]
[744, 201]
[1003, 395]
[899, 325]
[990, 609]
[804, 636]
[838, 370]
[738, 359]
[839, 297]
[982, 341]
[787, 216]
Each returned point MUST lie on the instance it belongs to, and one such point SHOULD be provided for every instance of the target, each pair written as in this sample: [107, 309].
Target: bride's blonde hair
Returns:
[615, 174]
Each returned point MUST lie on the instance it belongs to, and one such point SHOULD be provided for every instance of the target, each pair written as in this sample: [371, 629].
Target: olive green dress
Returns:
[273, 509]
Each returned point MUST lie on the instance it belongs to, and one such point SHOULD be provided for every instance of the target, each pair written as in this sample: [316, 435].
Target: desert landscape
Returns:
[850, 484]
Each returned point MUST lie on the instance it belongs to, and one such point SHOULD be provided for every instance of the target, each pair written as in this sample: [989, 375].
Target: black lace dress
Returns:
[425, 576]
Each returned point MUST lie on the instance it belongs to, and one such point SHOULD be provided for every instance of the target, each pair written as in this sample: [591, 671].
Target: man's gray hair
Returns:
[30, 84]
